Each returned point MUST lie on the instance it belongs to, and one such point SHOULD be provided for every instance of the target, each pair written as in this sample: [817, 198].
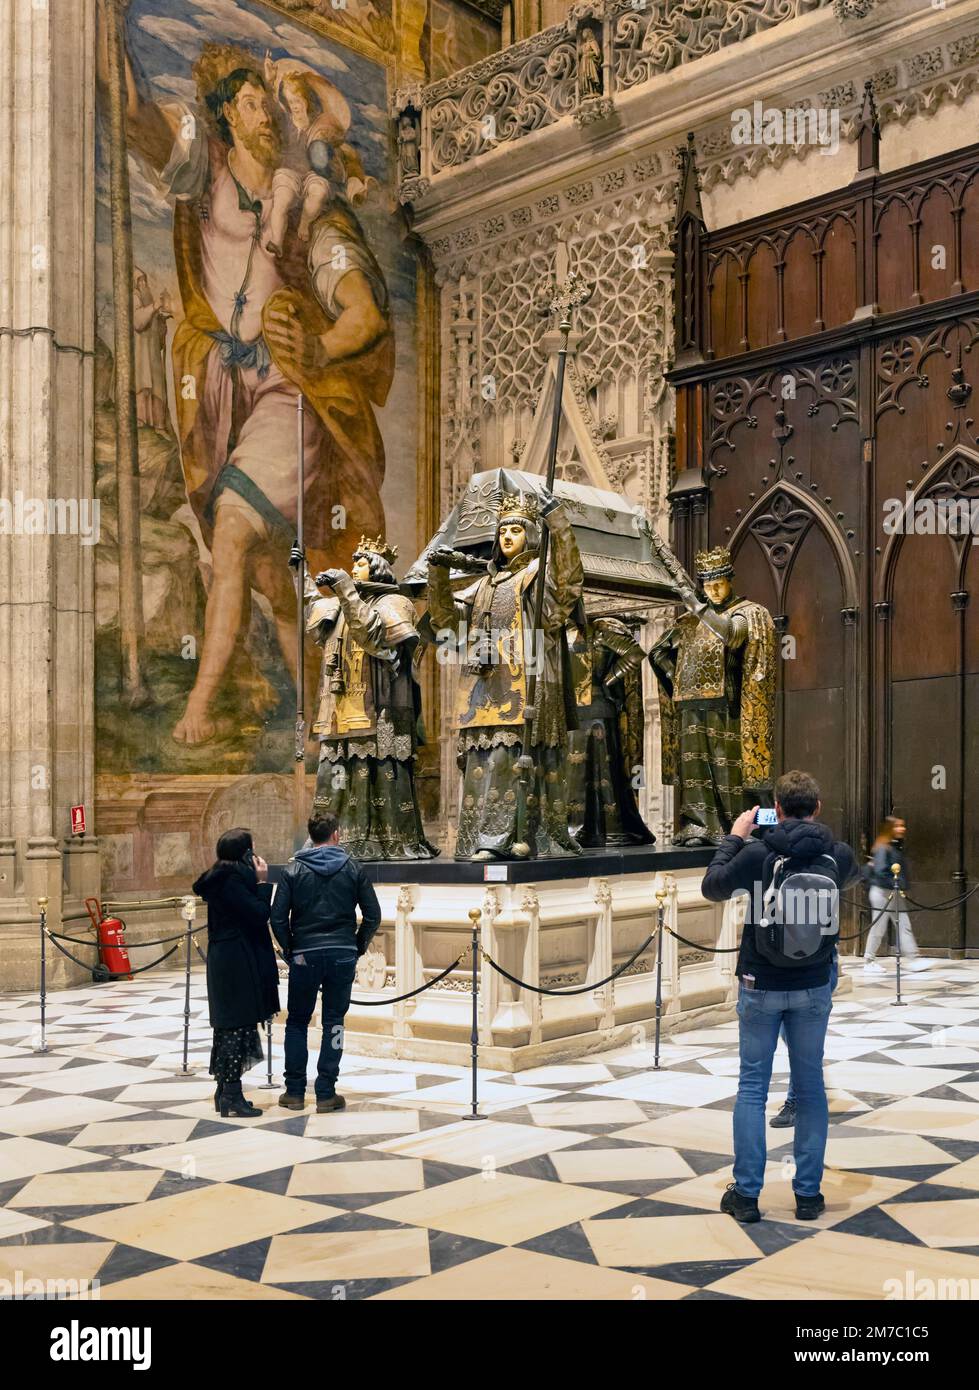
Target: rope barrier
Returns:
[376, 1003]
[150, 902]
[83, 941]
[702, 946]
[942, 907]
[578, 989]
[104, 971]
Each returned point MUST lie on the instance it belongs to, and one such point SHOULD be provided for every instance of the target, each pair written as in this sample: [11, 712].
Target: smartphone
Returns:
[766, 815]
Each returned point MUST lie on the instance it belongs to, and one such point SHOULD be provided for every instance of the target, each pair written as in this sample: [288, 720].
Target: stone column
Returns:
[47, 256]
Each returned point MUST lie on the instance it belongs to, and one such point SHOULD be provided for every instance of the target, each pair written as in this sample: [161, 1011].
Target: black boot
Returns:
[742, 1208]
[233, 1102]
[217, 1095]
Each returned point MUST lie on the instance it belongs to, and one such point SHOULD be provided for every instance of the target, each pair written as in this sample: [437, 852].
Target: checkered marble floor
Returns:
[597, 1179]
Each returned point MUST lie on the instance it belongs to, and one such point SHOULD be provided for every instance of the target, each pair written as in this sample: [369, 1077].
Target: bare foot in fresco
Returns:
[195, 727]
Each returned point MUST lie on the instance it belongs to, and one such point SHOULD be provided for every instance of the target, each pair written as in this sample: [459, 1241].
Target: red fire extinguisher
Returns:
[111, 934]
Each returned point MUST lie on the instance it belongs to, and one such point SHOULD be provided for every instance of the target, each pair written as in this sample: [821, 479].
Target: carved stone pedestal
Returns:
[556, 924]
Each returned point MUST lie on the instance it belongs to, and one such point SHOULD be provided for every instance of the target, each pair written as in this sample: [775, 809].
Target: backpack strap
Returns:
[768, 901]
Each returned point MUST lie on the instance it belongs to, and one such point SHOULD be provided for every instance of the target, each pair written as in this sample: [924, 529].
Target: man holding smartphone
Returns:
[772, 996]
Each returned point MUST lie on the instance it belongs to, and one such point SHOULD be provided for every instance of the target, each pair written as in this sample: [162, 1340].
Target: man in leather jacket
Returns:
[314, 920]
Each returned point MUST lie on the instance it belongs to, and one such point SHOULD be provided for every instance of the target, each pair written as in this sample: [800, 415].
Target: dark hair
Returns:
[798, 794]
[322, 826]
[225, 91]
[233, 845]
[885, 831]
[381, 571]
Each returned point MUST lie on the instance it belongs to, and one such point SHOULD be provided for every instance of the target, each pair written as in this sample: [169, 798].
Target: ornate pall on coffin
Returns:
[622, 570]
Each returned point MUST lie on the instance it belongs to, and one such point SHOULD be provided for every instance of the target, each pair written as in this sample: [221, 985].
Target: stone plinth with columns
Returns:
[556, 933]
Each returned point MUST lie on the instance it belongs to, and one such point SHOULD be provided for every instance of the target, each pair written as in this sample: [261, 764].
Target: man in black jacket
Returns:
[770, 996]
[314, 920]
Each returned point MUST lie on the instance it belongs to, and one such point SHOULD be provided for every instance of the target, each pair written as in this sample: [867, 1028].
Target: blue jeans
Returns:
[761, 1014]
[334, 972]
[834, 979]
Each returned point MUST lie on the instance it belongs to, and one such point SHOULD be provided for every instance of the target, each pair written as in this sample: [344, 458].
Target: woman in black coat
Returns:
[242, 978]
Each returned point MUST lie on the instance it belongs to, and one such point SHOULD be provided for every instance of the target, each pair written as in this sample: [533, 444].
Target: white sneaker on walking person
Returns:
[873, 967]
[918, 963]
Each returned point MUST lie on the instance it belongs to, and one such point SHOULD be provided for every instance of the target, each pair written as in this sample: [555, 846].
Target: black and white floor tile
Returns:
[597, 1179]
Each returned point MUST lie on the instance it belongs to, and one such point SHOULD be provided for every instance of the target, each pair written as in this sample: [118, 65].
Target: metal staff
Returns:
[562, 299]
[300, 750]
[895, 906]
[42, 907]
[660, 899]
[475, 914]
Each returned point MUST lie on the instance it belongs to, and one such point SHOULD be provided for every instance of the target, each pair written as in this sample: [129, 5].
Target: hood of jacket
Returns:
[800, 839]
[325, 860]
[212, 880]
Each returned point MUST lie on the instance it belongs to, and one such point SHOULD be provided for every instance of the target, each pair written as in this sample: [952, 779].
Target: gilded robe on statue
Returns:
[514, 792]
[716, 673]
[368, 711]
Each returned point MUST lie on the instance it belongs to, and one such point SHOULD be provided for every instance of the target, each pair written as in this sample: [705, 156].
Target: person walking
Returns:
[314, 919]
[242, 976]
[886, 906]
[773, 990]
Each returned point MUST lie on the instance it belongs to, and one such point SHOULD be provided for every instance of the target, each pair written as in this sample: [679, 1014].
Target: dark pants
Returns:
[334, 972]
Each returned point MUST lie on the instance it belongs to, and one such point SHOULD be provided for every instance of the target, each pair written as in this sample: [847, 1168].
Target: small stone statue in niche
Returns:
[409, 152]
[590, 81]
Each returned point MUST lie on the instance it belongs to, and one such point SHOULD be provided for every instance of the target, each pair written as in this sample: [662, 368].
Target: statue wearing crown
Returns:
[514, 769]
[716, 673]
[368, 711]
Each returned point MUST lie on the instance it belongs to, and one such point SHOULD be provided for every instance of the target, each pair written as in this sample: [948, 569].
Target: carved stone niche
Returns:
[594, 99]
[405, 111]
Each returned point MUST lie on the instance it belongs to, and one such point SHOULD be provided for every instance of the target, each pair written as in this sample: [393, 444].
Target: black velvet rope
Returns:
[109, 974]
[376, 1003]
[578, 989]
[83, 941]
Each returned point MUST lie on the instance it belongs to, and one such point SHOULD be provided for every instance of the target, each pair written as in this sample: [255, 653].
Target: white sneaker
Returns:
[872, 967]
[918, 963]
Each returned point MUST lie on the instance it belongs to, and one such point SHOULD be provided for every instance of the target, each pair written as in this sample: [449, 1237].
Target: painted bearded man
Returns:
[258, 328]
[716, 672]
[514, 771]
[368, 713]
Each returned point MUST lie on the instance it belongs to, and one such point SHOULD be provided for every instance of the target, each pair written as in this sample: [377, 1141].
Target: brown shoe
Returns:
[323, 1107]
[289, 1101]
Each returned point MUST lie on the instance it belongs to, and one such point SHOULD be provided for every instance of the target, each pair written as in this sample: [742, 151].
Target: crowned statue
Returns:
[716, 673]
[606, 750]
[514, 769]
[368, 712]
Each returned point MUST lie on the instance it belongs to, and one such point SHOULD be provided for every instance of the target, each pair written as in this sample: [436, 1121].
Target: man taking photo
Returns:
[793, 875]
[314, 920]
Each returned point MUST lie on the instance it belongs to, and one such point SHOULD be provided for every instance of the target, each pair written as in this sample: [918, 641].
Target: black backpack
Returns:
[801, 917]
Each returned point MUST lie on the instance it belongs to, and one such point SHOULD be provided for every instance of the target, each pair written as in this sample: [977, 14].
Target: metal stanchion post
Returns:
[42, 904]
[188, 911]
[661, 899]
[268, 1084]
[896, 924]
[474, 916]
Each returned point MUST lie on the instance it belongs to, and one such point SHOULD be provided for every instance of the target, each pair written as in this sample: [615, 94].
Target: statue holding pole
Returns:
[716, 672]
